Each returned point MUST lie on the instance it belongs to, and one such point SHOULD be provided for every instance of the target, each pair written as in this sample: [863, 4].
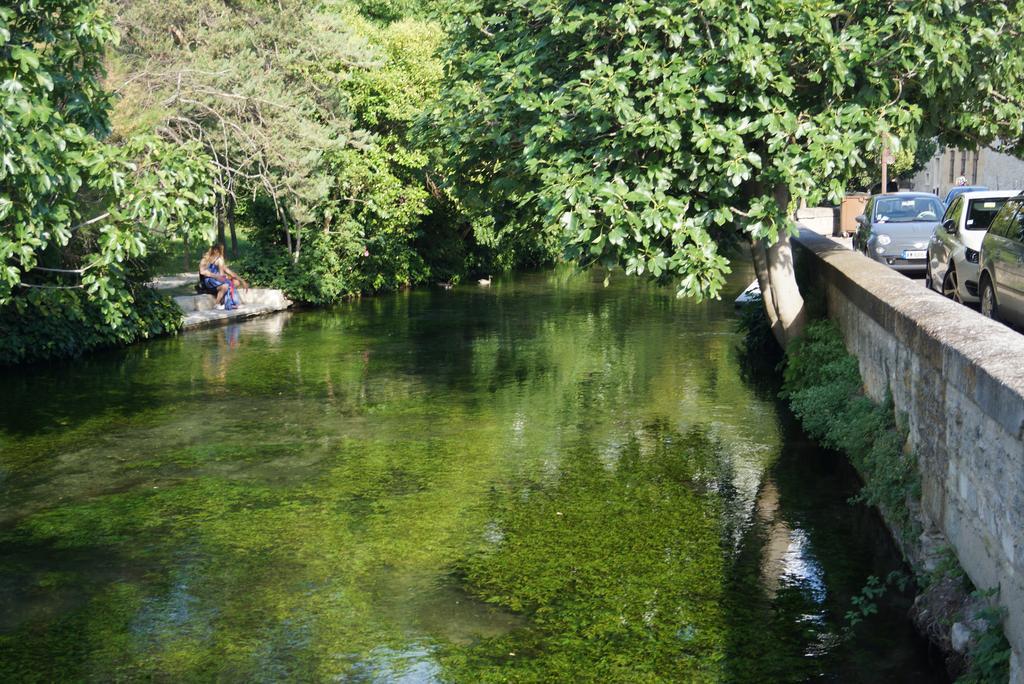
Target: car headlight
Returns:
[970, 255]
[883, 239]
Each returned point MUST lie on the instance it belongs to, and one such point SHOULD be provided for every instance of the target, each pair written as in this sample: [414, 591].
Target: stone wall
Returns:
[201, 310]
[958, 378]
[821, 220]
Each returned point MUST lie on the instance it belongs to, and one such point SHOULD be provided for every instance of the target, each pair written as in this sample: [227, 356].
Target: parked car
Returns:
[895, 229]
[1001, 281]
[956, 243]
[959, 190]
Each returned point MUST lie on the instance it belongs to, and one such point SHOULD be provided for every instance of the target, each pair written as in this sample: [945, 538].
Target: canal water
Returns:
[545, 480]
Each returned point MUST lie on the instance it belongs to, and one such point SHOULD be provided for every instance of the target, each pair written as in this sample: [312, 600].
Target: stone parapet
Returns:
[958, 380]
[821, 220]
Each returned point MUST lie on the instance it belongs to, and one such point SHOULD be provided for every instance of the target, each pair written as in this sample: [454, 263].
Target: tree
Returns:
[256, 83]
[67, 197]
[905, 164]
[306, 111]
[654, 135]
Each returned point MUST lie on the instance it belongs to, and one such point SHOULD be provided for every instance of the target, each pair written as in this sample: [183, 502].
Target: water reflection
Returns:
[418, 487]
[788, 558]
[412, 665]
[216, 360]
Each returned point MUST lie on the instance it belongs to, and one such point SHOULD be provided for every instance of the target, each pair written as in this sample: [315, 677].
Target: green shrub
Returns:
[823, 385]
[990, 655]
[41, 325]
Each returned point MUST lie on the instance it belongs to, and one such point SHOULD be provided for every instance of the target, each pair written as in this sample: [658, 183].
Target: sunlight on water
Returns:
[543, 480]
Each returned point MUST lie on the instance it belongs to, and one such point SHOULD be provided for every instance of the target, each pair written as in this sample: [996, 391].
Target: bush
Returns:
[52, 324]
[823, 385]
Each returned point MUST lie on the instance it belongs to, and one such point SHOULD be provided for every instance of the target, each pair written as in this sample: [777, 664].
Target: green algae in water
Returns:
[545, 480]
[618, 564]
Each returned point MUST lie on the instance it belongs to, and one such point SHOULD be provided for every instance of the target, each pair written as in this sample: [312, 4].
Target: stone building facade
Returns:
[994, 170]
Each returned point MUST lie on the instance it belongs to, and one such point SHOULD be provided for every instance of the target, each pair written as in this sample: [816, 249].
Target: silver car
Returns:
[1001, 281]
[895, 229]
[956, 243]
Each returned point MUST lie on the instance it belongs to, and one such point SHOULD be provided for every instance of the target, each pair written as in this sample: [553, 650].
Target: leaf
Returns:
[28, 59]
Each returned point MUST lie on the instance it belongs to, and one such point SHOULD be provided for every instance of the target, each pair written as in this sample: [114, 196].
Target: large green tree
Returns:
[651, 135]
[306, 110]
[77, 212]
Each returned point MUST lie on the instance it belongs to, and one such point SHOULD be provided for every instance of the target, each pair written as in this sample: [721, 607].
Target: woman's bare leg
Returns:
[220, 294]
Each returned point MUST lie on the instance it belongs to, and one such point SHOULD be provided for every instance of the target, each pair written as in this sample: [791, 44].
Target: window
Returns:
[974, 172]
[907, 209]
[1017, 227]
[1001, 223]
[952, 165]
[981, 213]
[953, 210]
[963, 164]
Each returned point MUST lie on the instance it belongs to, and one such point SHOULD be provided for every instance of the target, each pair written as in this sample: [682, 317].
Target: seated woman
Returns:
[217, 276]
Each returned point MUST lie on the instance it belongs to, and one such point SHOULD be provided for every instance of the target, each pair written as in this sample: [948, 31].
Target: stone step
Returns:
[201, 310]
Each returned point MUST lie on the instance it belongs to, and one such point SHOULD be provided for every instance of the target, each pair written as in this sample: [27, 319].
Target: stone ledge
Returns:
[212, 317]
[985, 357]
[172, 281]
[201, 310]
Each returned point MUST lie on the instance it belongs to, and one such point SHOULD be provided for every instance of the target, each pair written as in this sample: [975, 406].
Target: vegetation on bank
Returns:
[135, 126]
[364, 145]
[824, 389]
[40, 325]
[822, 383]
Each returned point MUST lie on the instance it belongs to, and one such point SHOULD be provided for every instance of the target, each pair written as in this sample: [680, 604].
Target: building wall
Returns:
[994, 170]
[959, 380]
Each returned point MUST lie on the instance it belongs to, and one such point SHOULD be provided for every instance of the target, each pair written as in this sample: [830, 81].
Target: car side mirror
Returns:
[950, 226]
[862, 219]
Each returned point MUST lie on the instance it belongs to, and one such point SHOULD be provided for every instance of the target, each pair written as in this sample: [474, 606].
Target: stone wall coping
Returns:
[984, 357]
[815, 212]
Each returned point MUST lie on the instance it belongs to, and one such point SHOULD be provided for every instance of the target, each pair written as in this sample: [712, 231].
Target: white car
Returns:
[954, 247]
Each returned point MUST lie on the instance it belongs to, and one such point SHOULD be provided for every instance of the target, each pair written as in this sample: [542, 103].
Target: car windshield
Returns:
[961, 190]
[981, 212]
[907, 209]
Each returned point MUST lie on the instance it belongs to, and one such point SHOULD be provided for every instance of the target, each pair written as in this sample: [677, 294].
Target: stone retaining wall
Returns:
[958, 378]
[201, 310]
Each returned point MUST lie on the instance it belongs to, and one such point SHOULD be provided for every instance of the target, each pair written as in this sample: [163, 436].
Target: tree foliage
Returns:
[44, 325]
[651, 135]
[75, 209]
[905, 163]
[308, 113]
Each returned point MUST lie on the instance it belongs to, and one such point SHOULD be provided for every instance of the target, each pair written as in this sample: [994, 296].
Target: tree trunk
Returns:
[218, 218]
[283, 218]
[298, 246]
[229, 211]
[777, 279]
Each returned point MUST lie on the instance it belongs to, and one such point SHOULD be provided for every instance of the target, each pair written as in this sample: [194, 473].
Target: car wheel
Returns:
[951, 285]
[989, 307]
[929, 282]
